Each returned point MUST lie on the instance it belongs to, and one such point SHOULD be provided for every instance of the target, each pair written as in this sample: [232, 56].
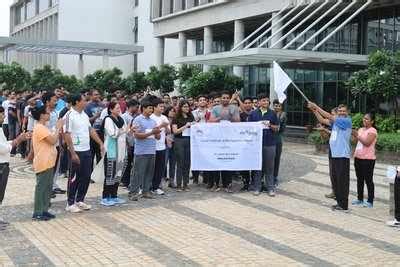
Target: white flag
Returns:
[281, 82]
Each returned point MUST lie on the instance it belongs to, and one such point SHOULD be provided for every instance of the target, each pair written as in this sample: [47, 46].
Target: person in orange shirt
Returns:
[45, 152]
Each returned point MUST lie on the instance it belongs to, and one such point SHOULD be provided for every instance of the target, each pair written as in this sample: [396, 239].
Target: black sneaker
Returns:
[338, 208]
[245, 188]
[59, 191]
[3, 223]
[49, 215]
[53, 195]
[330, 195]
[133, 196]
[148, 195]
[37, 217]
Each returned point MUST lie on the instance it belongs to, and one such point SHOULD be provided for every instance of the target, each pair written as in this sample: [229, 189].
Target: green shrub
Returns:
[387, 124]
[384, 124]
[357, 120]
[388, 142]
[316, 138]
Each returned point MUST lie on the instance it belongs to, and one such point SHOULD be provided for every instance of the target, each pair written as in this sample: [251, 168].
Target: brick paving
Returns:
[202, 228]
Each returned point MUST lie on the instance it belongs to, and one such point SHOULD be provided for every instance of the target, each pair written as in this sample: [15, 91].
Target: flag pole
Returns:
[301, 93]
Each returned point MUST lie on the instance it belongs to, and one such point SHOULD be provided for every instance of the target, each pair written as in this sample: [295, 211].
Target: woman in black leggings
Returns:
[364, 160]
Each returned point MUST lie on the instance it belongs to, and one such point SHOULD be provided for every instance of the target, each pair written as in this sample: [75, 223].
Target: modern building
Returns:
[122, 22]
[319, 43]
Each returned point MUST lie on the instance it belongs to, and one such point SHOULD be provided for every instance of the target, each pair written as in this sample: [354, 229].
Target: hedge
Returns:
[384, 124]
[386, 141]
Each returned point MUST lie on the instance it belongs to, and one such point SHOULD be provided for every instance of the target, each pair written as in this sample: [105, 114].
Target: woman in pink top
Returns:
[364, 160]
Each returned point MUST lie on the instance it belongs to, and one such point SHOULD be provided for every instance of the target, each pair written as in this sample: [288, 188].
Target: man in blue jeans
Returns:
[268, 118]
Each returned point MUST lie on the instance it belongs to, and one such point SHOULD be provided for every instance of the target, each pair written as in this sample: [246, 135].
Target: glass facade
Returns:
[383, 30]
[324, 84]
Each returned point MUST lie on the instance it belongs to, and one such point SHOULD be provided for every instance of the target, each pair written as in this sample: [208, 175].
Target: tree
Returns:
[14, 77]
[70, 83]
[49, 79]
[136, 82]
[162, 78]
[44, 78]
[184, 74]
[105, 81]
[380, 80]
[215, 80]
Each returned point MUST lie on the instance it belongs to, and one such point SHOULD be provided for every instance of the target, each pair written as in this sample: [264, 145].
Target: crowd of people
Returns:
[143, 139]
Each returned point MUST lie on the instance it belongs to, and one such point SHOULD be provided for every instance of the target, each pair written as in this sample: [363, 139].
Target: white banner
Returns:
[226, 146]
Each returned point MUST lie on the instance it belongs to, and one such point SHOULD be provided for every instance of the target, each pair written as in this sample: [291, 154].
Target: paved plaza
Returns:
[202, 228]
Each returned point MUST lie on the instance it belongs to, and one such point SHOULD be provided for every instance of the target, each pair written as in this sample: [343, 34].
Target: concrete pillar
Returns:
[182, 44]
[40, 37]
[81, 67]
[275, 27]
[166, 7]
[106, 60]
[6, 59]
[189, 4]
[208, 40]
[160, 47]
[238, 37]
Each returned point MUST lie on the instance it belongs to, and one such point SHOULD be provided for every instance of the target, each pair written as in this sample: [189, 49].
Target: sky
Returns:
[4, 17]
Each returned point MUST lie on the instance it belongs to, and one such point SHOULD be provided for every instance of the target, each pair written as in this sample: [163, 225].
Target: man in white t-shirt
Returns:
[77, 133]
[163, 123]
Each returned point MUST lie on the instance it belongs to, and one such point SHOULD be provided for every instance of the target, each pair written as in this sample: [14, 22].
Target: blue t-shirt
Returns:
[91, 109]
[60, 105]
[269, 137]
[145, 146]
[339, 141]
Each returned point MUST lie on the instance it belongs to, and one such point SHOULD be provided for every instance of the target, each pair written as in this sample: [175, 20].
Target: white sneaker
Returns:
[73, 208]
[394, 223]
[83, 206]
[140, 191]
[159, 192]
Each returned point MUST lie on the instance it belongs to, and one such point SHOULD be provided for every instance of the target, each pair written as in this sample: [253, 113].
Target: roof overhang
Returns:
[257, 56]
[68, 47]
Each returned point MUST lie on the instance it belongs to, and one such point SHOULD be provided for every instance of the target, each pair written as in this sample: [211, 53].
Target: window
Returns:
[183, 4]
[136, 2]
[196, 3]
[50, 3]
[18, 12]
[37, 6]
[171, 6]
[135, 63]
[136, 30]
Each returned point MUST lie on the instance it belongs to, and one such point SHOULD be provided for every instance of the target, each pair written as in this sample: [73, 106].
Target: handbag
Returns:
[98, 172]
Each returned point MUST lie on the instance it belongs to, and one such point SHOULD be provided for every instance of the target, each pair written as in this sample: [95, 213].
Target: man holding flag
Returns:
[339, 141]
